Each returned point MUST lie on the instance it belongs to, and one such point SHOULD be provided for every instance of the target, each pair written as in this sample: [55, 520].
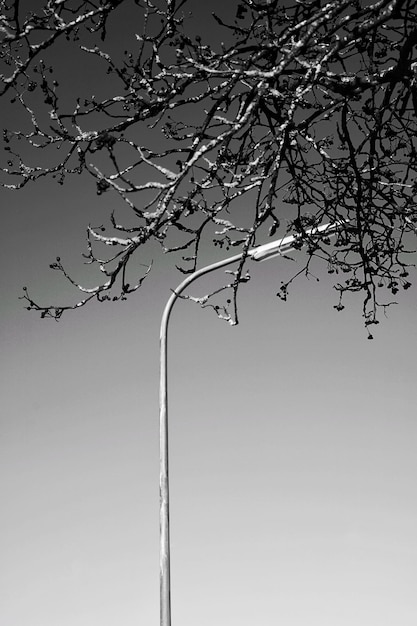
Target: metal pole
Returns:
[165, 554]
[258, 254]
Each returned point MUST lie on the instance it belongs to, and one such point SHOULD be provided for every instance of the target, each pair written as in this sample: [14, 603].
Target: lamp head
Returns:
[286, 244]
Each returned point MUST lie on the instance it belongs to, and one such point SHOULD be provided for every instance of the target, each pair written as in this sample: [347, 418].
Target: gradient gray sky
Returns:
[293, 440]
[293, 465]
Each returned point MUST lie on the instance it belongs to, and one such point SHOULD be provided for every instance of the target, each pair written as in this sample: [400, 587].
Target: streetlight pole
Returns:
[260, 253]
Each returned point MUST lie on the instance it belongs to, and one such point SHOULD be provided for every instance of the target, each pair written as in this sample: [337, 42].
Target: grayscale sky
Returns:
[293, 438]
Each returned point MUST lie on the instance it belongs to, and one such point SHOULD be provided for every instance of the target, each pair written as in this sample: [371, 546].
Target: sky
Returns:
[292, 446]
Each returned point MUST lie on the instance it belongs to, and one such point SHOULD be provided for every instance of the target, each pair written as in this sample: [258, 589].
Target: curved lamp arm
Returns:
[260, 253]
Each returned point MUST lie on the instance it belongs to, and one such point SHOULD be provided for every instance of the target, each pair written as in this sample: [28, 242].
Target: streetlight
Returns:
[260, 253]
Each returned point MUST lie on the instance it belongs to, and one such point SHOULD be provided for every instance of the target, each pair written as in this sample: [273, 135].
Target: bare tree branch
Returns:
[304, 114]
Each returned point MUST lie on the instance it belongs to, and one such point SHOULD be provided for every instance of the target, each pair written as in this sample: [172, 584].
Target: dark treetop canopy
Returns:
[269, 117]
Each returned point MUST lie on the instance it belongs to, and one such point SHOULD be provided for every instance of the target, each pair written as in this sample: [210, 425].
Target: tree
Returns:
[284, 115]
